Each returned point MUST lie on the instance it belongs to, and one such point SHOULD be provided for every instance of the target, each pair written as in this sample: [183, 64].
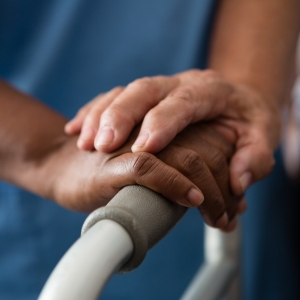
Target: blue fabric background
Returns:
[65, 53]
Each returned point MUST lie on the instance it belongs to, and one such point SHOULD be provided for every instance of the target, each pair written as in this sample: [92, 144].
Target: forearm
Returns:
[254, 42]
[29, 132]
[36, 154]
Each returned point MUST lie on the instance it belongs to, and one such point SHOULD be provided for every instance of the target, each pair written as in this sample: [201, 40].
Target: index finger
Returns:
[199, 100]
[129, 108]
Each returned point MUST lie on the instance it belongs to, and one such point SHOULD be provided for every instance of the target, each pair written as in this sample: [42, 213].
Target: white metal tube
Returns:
[210, 282]
[89, 263]
[221, 246]
[222, 253]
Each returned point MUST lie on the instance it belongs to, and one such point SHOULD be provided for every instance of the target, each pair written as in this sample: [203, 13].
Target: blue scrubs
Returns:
[64, 53]
[271, 260]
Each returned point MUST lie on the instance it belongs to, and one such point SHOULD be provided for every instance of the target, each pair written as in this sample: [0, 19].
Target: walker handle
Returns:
[146, 216]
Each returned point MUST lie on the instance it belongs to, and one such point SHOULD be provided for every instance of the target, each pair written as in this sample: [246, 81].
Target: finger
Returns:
[185, 105]
[231, 226]
[129, 108]
[212, 147]
[74, 125]
[222, 140]
[219, 169]
[251, 162]
[194, 168]
[147, 170]
[92, 117]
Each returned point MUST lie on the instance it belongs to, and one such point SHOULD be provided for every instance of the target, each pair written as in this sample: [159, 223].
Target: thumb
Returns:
[251, 162]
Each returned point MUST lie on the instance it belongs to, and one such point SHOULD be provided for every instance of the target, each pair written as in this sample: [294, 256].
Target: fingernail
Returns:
[105, 136]
[195, 197]
[222, 221]
[246, 180]
[87, 134]
[141, 140]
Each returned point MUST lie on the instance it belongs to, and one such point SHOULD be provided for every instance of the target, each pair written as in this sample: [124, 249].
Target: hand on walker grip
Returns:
[166, 105]
[191, 171]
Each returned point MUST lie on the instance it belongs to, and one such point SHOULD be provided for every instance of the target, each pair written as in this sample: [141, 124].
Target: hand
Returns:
[194, 165]
[83, 181]
[36, 155]
[166, 105]
[207, 153]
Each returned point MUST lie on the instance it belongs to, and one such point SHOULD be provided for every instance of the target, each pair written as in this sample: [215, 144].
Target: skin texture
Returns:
[253, 44]
[243, 99]
[252, 55]
[198, 95]
[36, 155]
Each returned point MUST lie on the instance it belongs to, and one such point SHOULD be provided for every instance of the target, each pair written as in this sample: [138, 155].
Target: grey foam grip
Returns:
[146, 215]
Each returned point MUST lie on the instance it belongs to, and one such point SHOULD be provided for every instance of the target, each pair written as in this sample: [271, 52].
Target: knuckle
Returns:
[200, 74]
[171, 180]
[92, 116]
[155, 119]
[144, 163]
[96, 99]
[192, 163]
[116, 112]
[83, 111]
[117, 90]
[193, 74]
[184, 93]
[211, 73]
[90, 121]
[115, 109]
[146, 84]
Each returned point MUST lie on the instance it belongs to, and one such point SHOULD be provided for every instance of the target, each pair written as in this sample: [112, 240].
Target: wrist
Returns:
[36, 171]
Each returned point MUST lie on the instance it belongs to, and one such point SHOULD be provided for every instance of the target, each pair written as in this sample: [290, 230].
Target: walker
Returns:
[116, 238]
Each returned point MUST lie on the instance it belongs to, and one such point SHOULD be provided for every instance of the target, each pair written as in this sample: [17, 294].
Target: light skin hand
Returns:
[177, 101]
[255, 57]
[166, 105]
[36, 154]
[257, 54]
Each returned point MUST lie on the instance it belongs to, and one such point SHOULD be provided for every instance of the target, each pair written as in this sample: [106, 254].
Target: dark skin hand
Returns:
[36, 155]
[202, 152]
[199, 155]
